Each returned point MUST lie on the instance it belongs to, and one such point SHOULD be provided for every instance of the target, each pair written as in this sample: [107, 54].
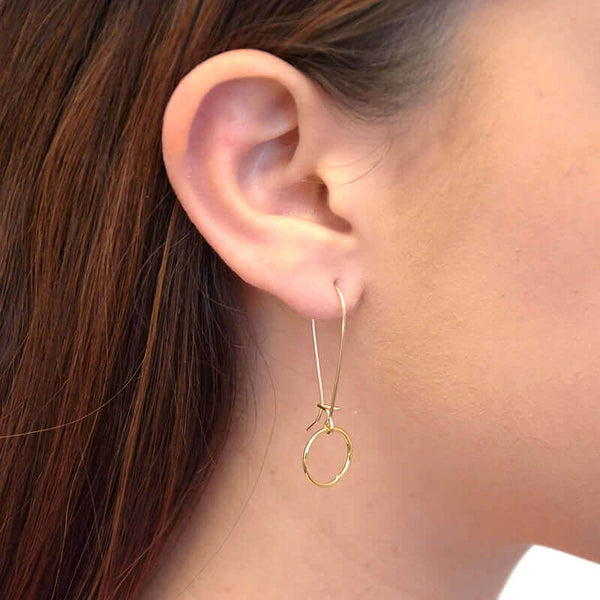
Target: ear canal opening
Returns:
[307, 198]
[331, 220]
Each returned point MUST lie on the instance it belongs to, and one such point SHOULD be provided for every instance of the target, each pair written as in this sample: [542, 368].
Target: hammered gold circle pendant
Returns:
[348, 456]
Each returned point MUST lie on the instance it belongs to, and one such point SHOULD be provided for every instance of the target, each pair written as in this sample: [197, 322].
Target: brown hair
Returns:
[120, 328]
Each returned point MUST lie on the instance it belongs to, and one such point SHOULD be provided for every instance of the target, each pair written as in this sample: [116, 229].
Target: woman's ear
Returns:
[253, 149]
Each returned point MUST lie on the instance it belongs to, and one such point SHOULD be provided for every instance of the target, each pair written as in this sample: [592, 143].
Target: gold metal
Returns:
[328, 409]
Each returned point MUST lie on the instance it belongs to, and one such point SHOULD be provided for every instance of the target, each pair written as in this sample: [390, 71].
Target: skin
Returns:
[465, 239]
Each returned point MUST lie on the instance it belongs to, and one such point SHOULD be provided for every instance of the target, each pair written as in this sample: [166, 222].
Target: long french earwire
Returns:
[329, 427]
[322, 406]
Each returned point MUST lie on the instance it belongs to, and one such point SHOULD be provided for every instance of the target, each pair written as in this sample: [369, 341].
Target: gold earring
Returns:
[328, 408]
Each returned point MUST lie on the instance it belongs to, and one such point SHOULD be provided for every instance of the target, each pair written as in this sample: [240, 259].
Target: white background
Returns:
[546, 574]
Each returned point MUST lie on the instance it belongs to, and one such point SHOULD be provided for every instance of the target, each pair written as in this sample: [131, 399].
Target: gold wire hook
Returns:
[329, 427]
[329, 408]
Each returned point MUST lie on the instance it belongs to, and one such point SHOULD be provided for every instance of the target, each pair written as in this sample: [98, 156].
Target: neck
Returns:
[399, 524]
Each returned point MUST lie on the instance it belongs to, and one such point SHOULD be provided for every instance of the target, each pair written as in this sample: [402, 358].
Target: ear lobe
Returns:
[244, 140]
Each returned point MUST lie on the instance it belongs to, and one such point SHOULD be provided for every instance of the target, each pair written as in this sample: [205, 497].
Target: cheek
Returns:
[543, 234]
[534, 122]
[527, 286]
[501, 353]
